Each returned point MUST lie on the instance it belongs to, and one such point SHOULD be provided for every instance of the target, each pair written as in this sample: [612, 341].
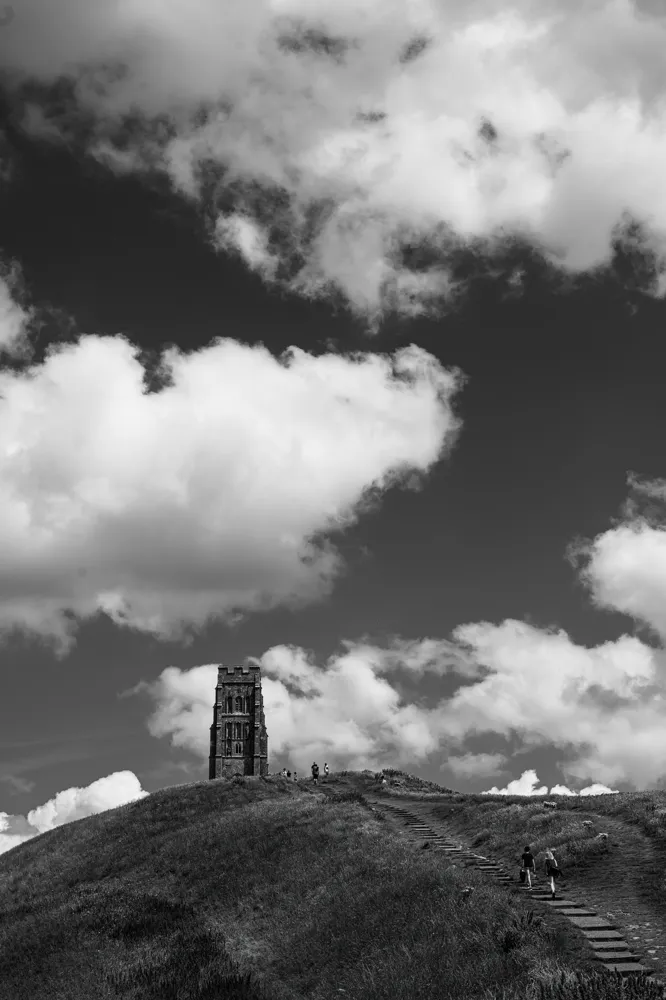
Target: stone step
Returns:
[622, 957]
[589, 923]
[602, 935]
[627, 968]
[609, 948]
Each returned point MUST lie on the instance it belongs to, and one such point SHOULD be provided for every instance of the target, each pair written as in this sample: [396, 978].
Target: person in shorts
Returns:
[552, 871]
[527, 860]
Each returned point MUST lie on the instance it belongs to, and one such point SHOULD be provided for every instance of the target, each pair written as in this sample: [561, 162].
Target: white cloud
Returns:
[13, 316]
[365, 117]
[607, 702]
[625, 567]
[601, 708]
[237, 232]
[114, 790]
[346, 713]
[528, 784]
[214, 496]
[604, 706]
[526, 682]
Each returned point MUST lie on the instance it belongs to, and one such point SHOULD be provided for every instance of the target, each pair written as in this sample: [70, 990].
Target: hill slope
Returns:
[257, 888]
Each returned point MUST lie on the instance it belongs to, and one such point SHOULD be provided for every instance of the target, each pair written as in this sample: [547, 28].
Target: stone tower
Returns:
[238, 737]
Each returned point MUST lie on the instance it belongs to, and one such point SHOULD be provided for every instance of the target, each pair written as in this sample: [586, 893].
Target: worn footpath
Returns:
[615, 902]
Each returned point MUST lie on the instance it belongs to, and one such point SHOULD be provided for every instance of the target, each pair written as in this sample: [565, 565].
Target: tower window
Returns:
[229, 704]
[247, 730]
[239, 704]
[238, 748]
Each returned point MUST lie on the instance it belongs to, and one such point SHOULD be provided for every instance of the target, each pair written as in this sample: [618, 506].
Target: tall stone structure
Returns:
[238, 737]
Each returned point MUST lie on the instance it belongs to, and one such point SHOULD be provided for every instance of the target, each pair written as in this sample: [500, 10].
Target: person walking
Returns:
[289, 775]
[295, 776]
[528, 865]
[552, 871]
[326, 769]
[315, 773]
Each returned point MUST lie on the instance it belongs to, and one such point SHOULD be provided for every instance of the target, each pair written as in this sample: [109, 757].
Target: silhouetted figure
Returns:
[289, 774]
[326, 769]
[315, 773]
[528, 865]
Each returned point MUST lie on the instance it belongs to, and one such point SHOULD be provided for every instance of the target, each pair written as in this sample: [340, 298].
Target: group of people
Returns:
[315, 773]
[529, 868]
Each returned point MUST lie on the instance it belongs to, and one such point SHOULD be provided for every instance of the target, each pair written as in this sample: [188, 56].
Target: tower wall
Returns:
[231, 753]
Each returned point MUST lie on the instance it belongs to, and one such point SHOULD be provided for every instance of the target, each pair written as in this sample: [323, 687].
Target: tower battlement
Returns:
[245, 669]
[238, 737]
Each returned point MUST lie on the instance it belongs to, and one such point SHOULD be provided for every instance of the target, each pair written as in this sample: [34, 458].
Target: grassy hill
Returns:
[263, 889]
[500, 825]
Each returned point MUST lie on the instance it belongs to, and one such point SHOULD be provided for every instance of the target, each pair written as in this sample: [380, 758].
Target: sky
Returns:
[331, 342]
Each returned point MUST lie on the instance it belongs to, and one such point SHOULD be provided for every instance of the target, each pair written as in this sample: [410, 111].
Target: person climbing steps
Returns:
[528, 866]
[552, 871]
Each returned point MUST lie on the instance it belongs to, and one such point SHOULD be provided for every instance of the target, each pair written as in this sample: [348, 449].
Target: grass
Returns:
[502, 825]
[265, 890]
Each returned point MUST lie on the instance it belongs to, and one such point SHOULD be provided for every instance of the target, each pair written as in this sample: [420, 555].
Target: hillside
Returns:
[263, 889]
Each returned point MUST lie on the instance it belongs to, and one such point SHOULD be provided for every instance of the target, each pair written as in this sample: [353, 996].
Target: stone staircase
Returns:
[609, 947]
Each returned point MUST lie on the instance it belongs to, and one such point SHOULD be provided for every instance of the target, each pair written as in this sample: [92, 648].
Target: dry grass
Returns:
[502, 825]
[258, 889]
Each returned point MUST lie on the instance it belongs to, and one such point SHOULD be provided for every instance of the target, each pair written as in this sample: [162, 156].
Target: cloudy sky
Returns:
[334, 341]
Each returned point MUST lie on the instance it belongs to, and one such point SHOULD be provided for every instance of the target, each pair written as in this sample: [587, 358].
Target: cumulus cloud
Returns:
[350, 147]
[14, 317]
[347, 712]
[527, 784]
[602, 708]
[216, 495]
[625, 566]
[114, 790]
